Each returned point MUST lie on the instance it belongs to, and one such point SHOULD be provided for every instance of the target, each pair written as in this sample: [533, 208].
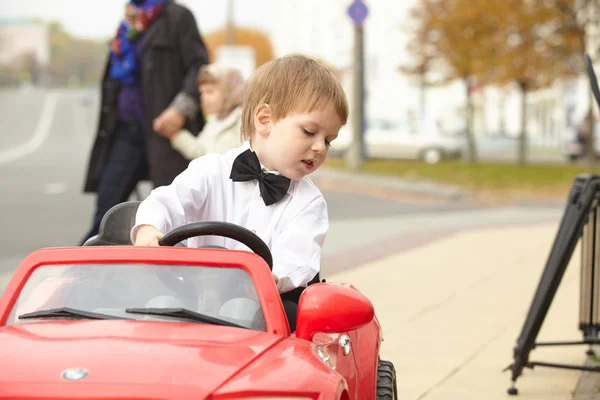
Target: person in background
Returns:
[222, 92]
[149, 90]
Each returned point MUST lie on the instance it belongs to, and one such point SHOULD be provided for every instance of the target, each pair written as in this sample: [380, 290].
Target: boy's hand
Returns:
[147, 235]
[275, 278]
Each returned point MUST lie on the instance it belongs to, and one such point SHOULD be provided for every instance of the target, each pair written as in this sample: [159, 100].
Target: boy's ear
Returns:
[262, 119]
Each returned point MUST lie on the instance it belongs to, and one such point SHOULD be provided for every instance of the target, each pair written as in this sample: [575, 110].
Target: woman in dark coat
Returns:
[149, 86]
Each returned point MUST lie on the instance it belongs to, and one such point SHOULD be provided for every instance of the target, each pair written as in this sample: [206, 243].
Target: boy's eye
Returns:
[309, 133]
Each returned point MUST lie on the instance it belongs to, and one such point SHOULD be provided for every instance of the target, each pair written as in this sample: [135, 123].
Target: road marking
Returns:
[55, 188]
[40, 134]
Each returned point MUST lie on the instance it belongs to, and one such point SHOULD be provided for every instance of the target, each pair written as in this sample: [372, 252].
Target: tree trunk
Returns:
[422, 99]
[590, 148]
[522, 147]
[471, 147]
[502, 113]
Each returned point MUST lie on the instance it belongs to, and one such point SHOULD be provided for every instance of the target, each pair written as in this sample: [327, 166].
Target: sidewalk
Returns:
[452, 310]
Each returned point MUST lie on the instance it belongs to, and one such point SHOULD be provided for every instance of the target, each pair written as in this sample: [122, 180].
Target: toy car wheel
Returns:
[386, 381]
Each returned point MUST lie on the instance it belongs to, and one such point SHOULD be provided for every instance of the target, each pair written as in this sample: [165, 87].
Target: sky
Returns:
[99, 18]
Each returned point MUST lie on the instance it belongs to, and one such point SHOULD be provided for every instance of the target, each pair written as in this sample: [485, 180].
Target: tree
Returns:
[245, 37]
[75, 59]
[581, 19]
[452, 38]
[522, 41]
[29, 67]
[531, 52]
[60, 54]
[88, 60]
[422, 54]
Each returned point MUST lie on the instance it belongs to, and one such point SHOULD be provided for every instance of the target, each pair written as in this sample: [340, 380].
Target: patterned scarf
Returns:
[138, 16]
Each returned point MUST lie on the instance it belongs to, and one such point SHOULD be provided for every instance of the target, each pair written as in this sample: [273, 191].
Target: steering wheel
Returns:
[224, 229]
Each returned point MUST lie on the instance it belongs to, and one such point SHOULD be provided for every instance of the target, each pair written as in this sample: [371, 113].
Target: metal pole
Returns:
[230, 26]
[356, 152]
[363, 96]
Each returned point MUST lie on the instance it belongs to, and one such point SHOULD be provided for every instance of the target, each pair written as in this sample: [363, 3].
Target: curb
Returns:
[588, 386]
[420, 188]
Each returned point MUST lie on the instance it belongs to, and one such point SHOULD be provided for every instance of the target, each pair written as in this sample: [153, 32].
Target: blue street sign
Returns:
[358, 11]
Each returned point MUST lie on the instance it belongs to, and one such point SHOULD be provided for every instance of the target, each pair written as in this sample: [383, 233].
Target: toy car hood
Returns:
[144, 359]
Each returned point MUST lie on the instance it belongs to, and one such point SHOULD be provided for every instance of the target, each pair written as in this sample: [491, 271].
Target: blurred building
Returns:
[324, 30]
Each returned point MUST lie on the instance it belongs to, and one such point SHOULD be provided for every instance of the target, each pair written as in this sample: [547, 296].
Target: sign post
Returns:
[358, 11]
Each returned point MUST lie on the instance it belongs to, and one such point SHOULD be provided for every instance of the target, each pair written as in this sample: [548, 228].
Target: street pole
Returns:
[356, 154]
[230, 26]
[356, 159]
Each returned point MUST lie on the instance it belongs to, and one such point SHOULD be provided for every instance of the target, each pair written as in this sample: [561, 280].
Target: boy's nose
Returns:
[319, 146]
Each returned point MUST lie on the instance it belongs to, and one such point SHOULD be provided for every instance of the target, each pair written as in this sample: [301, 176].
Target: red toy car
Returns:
[123, 322]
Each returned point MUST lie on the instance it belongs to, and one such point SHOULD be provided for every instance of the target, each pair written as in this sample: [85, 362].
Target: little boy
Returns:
[293, 108]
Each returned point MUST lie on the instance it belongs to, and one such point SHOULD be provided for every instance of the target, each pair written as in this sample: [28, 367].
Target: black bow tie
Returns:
[246, 167]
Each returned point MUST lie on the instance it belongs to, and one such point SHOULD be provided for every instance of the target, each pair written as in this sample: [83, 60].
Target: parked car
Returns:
[386, 139]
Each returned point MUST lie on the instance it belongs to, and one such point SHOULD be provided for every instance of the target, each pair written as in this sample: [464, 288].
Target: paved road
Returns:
[45, 138]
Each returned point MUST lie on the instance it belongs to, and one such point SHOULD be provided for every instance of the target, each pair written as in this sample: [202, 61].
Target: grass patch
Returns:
[497, 178]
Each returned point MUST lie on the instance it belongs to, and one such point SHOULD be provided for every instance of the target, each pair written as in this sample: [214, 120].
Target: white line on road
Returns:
[42, 131]
[55, 188]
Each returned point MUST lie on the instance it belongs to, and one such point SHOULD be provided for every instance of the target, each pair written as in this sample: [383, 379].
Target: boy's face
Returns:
[211, 98]
[297, 144]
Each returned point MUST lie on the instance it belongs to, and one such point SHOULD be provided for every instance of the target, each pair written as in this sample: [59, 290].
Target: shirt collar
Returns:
[293, 183]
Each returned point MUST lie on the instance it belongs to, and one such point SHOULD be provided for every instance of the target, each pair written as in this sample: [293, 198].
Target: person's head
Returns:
[293, 108]
[221, 89]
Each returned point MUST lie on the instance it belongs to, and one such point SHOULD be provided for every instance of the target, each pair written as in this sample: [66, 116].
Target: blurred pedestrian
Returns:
[149, 89]
[582, 139]
[222, 92]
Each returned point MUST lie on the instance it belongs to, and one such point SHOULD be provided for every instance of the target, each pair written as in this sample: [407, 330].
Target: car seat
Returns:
[115, 226]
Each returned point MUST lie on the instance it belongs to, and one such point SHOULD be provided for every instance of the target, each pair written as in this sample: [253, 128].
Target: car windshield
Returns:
[110, 289]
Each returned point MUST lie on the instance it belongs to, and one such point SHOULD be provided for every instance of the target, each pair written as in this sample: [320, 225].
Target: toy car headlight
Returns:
[325, 353]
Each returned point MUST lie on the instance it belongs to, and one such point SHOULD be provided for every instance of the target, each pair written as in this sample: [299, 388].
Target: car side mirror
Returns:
[331, 308]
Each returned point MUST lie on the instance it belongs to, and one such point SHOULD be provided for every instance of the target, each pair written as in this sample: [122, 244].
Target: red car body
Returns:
[139, 359]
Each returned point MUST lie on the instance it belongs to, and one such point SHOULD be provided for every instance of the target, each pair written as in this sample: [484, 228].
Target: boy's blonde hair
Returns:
[291, 83]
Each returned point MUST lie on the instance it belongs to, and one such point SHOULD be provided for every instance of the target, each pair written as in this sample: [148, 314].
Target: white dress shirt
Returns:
[294, 228]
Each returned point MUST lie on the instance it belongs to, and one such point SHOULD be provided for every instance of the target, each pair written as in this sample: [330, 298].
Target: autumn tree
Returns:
[421, 51]
[452, 39]
[60, 54]
[531, 51]
[88, 60]
[579, 29]
[520, 41]
[255, 38]
[75, 59]
[29, 67]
